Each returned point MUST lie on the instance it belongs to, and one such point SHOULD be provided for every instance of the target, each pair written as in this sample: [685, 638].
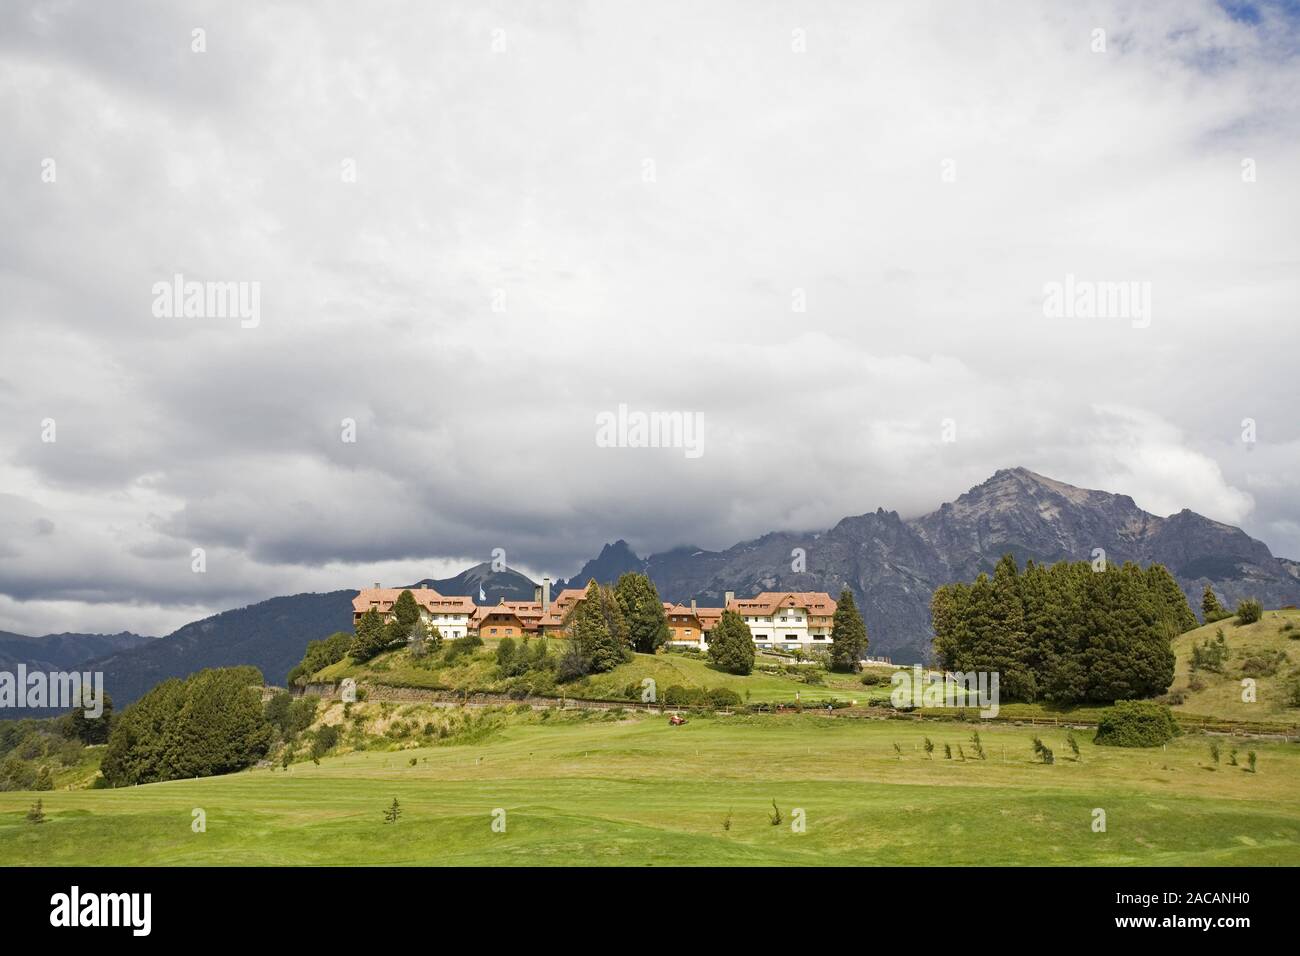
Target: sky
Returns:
[825, 232]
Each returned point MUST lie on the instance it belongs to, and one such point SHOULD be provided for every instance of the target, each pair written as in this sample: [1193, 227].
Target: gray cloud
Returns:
[521, 174]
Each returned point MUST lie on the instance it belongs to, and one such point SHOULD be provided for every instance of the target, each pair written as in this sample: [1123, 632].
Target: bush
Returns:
[1262, 664]
[463, 646]
[1249, 611]
[875, 677]
[723, 697]
[1136, 723]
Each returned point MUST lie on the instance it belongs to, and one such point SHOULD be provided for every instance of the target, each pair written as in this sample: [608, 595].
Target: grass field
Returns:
[1221, 694]
[589, 789]
[398, 669]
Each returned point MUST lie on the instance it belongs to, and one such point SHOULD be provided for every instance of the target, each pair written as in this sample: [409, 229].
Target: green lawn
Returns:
[589, 790]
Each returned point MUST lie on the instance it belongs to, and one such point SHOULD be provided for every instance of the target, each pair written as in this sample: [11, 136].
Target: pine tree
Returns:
[1175, 613]
[393, 812]
[947, 605]
[848, 634]
[1007, 637]
[638, 599]
[1211, 609]
[731, 647]
[371, 637]
[597, 631]
[406, 612]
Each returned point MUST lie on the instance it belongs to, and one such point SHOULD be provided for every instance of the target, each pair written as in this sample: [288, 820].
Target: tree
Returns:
[598, 635]
[210, 723]
[643, 611]
[321, 654]
[371, 637]
[1211, 609]
[405, 611]
[848, 634]
[731, 647]
[1175, 613]
[393, 812]
[37, 813]
[44, 779]
[90, 730]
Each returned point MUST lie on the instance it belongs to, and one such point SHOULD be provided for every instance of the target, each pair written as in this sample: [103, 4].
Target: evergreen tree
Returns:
[848, 634]
[1211, 609]
[406, 612]
[1175, 613]
[642, 609]
[90, 730]
[1007, 638]
[947, 605]
[1066, 633]
[371, 637]
[731, 647]
[212, 722]
[598, 634]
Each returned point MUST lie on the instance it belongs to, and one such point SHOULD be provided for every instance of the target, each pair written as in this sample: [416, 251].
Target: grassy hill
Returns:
[1268, 650]
[616, 789]
[783, 684]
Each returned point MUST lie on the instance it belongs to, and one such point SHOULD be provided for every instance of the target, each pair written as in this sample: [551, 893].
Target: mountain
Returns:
[62, 652]
[270, 635]
[614, 559]
[892, 565]
[497, 585]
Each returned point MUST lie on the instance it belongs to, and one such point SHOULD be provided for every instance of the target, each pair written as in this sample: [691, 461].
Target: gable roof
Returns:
[382, 600]
[816, 603]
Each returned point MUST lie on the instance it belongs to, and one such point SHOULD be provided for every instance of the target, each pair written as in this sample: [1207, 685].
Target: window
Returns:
[792, 637]
[493, 631]
[819, 637]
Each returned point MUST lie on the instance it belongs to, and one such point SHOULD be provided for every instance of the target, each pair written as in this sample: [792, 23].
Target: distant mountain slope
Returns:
[62, 651]
[270, 635]
[496, 585]
[892, 566]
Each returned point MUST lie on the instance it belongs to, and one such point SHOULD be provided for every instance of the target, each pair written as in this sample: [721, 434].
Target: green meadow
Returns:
[613, 789]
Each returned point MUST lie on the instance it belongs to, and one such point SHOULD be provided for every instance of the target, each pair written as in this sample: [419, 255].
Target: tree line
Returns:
[1067, 633]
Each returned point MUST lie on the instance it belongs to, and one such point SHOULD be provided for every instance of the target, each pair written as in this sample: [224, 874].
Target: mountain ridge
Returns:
[892, 564]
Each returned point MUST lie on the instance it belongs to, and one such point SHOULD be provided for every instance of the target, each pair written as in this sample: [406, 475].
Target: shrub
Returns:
[462, 647]
[875, 677]
[723, 697]
[1136, 723]
[1262, 664]
[1249, 611]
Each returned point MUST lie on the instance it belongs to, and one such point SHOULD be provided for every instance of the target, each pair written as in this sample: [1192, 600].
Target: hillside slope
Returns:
[1268, 651]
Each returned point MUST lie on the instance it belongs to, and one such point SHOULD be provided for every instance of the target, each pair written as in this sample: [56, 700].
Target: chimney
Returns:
[731, 596]
[376, 585]
[424, 585]
[692, 605]
[546, 595]
[537, 594]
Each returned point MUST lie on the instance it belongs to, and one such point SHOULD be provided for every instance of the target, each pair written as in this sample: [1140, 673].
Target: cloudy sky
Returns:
[826, 228]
